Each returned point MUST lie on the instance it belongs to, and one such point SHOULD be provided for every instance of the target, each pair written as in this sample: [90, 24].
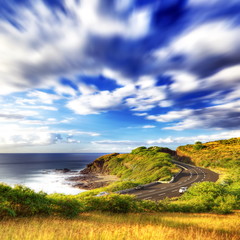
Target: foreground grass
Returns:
[94, 226]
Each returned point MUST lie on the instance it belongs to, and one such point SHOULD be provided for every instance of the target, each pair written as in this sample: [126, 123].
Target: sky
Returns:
[112, 75]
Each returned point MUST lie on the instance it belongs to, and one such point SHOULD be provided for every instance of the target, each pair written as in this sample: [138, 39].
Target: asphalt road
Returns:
[189, 175]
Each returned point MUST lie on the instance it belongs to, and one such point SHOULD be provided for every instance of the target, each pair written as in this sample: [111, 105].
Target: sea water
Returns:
[37, 171]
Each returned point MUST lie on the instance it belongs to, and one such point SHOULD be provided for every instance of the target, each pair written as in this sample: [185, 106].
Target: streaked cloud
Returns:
[100, 66]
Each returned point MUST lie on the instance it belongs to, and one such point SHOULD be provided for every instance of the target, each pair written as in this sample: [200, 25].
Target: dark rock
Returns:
[64, 170]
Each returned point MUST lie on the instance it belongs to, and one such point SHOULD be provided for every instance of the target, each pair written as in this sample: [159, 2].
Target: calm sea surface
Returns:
[37, 170]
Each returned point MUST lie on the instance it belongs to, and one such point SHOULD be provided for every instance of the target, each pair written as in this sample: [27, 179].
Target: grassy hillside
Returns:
[105, 226]
[142, 165]
[222, 153]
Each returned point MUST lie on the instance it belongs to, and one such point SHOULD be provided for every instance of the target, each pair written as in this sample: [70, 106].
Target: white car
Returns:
[183, 189]
[102, 194]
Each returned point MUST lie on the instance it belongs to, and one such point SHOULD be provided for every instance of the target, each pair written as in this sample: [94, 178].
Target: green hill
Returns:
[142, 165]
[222, 153]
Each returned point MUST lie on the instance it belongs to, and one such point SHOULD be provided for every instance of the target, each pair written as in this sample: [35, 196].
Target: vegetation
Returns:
[222, 153]
[22, 201]
[108, 226]
[223, 196]
[203, 197]
[141, 166]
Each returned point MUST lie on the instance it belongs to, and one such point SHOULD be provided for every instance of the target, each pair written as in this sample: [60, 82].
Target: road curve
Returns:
[189, 175]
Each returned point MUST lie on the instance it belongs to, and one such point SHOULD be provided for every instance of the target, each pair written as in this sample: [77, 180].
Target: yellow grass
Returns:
[98, 226]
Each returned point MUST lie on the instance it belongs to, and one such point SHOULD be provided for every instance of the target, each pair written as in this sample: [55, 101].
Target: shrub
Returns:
[111, 203]
[199, 146]
[138, 150]
[22, 201]
[225, 204]
[68, 208]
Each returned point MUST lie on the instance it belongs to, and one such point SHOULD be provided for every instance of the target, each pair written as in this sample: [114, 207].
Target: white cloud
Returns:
[229, 76]
[183, 81]
[17, 135]
[43, 97]
[48, 108]
[134, 27]
[115, 142]
[226, 115]
[94, 104]
[147, 96]
[165, 103]
[193, 139]
[77, 132]
[221, 38]
[100, 101]
[193, 122]
[170, 116]
[86, 89]
[140, 114]
[203, 49]
[15, 115]
[14, 135]
[148, 126]
[141, 96]
[160, 141]
[54, 43]
[117, 76]
[64, 90]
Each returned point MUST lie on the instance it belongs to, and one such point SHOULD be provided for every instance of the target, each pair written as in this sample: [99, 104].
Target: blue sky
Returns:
[112, 75]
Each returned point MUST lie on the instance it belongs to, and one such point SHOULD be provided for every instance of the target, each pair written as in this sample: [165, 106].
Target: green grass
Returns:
[222, 153]
[221, 198]
[143, 165]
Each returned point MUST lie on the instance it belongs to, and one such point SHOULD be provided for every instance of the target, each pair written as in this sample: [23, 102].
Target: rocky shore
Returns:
[95, 175]
[87, 180]
[91, 180]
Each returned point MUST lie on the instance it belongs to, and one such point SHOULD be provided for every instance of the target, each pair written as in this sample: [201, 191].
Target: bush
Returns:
[5, 209]
[139, 150]
[225, 204]
[198, 146]
[111, 203]
[22, 201]
[68, 208]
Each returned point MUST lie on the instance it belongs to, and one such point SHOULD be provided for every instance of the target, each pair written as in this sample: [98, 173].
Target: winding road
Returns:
[188, 175]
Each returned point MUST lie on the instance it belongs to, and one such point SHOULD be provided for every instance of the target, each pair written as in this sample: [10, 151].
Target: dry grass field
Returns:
[99, 226]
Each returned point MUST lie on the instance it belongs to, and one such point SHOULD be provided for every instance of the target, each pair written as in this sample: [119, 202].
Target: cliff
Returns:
[99, 165]
[142, 164]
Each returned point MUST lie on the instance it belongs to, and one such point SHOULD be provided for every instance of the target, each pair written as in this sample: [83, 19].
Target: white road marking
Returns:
[161, 194]
[153, 190]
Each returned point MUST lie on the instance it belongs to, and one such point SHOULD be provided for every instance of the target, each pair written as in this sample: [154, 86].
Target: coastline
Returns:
[91, 181]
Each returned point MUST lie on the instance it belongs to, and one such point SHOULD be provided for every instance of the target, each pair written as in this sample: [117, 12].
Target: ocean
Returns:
[37, 170]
